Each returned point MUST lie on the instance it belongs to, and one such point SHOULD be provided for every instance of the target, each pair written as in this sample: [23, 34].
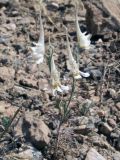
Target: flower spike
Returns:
[39, 49]
[71, 63]
[55, 80]
[83, 39]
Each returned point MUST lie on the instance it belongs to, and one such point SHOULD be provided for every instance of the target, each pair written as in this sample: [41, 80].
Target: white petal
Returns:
[33, 49]
[38, 53]
[64, 88]
[89, 36]
[83, 39]
[39, 48]
[85, 74]
[84, 42]
[54, 92]
[35, 43]
[77, 77]
[85, 33]
[59, 89]
[40, 60]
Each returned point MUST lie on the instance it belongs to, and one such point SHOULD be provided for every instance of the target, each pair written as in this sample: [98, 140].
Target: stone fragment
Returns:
[95, 74]
[29, 154]
[52, 6]
[3, 2]
[105, 129]
[28, 82]
[116, 156]
[94, 155]
[83, 129]
[10, 26]
[95, 99]
[68, 157]
[102, 16]
[111, 122]
[112, 93]
[6, 109]
[118, 106]
[79, 121]
[115, 137]
[101, 113]
[6, 74]
[35, 131]
[4, 40]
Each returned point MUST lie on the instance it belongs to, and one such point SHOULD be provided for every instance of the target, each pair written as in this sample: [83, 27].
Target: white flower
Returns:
[83, 39]
[55, 80]
[39, 49]
[83, 74]
[72, 64]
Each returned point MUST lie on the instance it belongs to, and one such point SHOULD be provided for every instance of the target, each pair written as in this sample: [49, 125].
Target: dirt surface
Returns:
[92, 128]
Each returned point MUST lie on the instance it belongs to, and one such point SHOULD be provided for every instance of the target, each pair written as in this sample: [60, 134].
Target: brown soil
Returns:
[94, 123]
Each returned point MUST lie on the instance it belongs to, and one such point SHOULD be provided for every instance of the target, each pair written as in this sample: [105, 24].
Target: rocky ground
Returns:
[92, 129]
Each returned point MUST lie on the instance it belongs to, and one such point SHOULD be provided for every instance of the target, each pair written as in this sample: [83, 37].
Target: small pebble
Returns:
[118, 106]
[111, 122]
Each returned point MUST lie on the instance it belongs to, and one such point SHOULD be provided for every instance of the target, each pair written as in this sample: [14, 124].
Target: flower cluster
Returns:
[39, 51]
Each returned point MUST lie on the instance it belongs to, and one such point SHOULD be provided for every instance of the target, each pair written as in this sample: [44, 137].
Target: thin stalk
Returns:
[7, 128]
[67, 105]
[64, 116]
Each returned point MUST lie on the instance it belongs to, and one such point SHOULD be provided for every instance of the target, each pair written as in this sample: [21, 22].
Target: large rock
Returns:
[35, 131]
[94, 155]
[102, 16]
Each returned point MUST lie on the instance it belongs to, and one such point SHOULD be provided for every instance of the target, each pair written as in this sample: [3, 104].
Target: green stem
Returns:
[67, 105]
[7, 128]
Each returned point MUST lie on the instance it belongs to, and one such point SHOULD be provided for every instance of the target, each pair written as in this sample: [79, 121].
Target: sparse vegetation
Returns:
[59, 84]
